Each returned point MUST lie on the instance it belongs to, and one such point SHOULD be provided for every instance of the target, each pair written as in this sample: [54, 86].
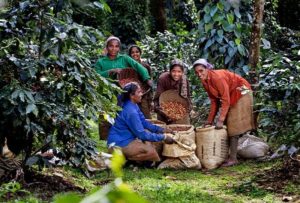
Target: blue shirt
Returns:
[131, 124]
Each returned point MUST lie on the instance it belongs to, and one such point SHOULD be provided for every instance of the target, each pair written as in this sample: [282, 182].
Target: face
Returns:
[137, 96]
[176, 73]
[135, 53]
[113, 48]
[201, 72]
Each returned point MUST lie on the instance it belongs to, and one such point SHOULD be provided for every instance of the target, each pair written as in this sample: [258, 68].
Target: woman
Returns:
[231, 95]
[172, 80]
[135, 52]
[129, 130]
[113, 62]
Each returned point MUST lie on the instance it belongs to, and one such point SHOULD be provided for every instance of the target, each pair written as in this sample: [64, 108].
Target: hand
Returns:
[219, 125]
[149, 83]
[115, 71]
[169, 140]
[207, 124]
[168, 130]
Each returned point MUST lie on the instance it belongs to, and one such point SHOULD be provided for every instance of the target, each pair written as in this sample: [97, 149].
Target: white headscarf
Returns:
[112, 38]
[204, 63]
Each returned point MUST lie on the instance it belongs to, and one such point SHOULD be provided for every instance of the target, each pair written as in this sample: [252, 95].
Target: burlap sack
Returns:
[185, 162]
[252, 147]
[212, 146]
[185, 139]
[240, 116]
[191, 161]
[172, 163]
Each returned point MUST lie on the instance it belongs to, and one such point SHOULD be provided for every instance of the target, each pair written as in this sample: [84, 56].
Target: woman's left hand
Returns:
[219, 125]
[149, 83]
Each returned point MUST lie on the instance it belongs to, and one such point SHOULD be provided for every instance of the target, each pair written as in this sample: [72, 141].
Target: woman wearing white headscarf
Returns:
[231, 96]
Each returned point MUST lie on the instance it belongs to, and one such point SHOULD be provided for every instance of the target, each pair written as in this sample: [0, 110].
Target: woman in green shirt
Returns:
[113, 62]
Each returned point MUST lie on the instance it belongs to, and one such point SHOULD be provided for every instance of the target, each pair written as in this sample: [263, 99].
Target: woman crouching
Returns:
[131, 129]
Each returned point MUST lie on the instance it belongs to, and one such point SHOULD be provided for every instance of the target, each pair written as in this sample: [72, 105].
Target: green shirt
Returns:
[105, 64]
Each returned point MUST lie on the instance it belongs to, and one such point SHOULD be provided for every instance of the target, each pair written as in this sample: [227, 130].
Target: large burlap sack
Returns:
[240, 116]
[172, 163]
[212, 146]
[185, 141]
[185, 162]
[252, 147]
[191, 161]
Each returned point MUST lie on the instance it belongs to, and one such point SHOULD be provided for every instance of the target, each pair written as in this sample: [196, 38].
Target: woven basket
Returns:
[173, 96]
[132, 76]
[212, 146]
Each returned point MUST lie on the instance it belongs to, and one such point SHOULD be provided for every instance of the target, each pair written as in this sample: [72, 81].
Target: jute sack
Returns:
[252, 147]
[172, 163]
[240, 116]
[185, 162]
[212, 146]
[191, 161]
[185, 141]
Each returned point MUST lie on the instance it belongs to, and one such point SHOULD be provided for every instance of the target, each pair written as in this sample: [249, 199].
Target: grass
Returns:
[234, 184]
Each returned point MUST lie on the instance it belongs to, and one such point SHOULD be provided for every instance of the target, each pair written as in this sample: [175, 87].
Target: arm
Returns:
[160, 89]
[99, 69]
[149, 126]
[223, 90]
[136, 126]
[142, 71]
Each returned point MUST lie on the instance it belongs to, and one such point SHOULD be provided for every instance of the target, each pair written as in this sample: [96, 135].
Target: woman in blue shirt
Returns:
[131, 129]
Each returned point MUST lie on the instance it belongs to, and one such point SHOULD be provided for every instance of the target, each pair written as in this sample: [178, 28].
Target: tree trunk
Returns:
[255, 39]
[157, 8]
[254, 51]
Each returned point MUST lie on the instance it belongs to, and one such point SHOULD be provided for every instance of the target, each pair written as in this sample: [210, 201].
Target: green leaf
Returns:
[220, 33]
[207, 9]
[237, 41]
[230, 18]
[208, 44]
[31, 108]
[207, 18]
[208, 27]
[117, 162]
[220, 6]
[237, 13]
[241, 50]
[213, 11]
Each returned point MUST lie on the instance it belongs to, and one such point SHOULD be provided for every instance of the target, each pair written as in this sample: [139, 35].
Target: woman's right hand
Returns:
[169, 140]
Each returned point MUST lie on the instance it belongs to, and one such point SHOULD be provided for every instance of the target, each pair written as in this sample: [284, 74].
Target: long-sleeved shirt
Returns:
[164, 83]
[105, 64]
[223, 86]
[131, 124]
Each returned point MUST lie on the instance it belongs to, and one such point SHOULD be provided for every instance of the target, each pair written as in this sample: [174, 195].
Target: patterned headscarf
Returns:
[204, 63]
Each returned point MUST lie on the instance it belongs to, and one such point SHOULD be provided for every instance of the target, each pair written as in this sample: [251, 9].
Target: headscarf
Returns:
[204, 63]
[177, 62]
[112, 38]
[132, 46]
[183, 91]
[129, 89]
